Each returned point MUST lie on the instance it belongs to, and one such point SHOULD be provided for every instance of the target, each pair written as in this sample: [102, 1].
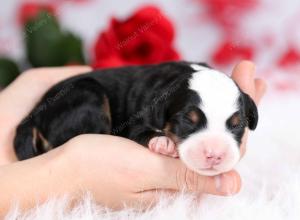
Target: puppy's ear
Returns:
[251, 111]
[205, 65]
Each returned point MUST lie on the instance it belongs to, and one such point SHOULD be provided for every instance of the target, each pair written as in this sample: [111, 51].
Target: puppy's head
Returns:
[210, 126]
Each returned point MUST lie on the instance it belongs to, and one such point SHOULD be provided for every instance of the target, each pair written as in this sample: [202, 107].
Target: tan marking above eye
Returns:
[194, 116]
[235, 120]
[169, 134]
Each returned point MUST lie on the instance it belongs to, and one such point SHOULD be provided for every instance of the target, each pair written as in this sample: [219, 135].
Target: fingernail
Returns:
[225, 184]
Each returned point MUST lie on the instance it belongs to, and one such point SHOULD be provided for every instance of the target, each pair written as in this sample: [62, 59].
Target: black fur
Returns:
[250, 111]
[136, 102]
[248, 115]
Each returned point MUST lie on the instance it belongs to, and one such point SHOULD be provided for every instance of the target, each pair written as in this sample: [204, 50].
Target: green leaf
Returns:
[8, 71]
[48, 45]
[72, 49]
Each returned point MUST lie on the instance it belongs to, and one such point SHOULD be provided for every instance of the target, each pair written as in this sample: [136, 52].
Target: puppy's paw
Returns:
[163, 145]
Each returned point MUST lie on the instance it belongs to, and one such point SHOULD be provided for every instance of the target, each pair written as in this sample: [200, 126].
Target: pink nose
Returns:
[213, 158]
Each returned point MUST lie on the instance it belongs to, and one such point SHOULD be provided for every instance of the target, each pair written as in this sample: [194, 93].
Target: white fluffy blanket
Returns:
[270, 172]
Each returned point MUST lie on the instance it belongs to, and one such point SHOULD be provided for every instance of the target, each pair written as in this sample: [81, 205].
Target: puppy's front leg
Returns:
[156, 141]
[163, 145]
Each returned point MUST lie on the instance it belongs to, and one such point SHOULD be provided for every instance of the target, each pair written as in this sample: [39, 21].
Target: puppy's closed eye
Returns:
[235, 121]
[194, 116]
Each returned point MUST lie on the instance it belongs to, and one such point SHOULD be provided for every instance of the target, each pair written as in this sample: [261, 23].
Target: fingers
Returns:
[142, 172]
[260, 90]
[167, 173]
[224, 184]
[41, 79]
[243, 75]
[57, 74]
[172, 174]
[21, 96]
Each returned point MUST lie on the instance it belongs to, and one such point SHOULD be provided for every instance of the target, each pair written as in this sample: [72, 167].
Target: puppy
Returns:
[177, 108]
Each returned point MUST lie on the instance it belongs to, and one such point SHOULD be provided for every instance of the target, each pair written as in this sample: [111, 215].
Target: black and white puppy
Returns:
[177, 108]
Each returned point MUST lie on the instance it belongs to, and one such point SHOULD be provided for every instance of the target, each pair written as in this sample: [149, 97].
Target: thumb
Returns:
[176, 176]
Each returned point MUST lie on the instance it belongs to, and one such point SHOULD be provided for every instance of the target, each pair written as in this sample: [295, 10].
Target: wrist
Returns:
[34, 181]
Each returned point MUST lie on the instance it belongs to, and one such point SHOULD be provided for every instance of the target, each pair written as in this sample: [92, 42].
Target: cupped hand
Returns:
[122, 172]
[117, 171]
[20, 97]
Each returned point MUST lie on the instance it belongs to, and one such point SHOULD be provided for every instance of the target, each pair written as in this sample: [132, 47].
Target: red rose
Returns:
[290, 58]
[228, 13]
[30, 10]
[144, 38]
[228, 53]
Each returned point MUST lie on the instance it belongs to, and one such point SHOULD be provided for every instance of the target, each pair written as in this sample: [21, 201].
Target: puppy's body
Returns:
[140, 103]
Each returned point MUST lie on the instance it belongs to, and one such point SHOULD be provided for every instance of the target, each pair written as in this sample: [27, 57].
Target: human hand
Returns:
[135, 178]
[20, 97]
[119, 172]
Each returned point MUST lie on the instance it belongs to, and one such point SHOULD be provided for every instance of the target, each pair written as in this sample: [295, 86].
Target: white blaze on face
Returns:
[212, 150]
